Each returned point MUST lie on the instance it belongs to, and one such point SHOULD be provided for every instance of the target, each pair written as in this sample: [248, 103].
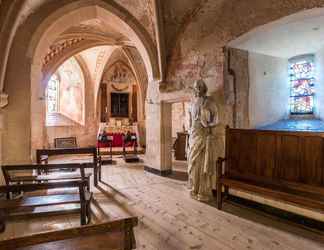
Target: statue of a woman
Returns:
[203, 116]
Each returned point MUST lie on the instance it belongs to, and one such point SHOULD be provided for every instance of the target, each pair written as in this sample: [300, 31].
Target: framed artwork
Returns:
[66, 142]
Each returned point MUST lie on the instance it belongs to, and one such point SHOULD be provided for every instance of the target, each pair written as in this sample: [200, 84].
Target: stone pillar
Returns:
[158, 137]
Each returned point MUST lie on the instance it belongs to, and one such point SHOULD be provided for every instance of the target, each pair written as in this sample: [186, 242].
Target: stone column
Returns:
[158, 137]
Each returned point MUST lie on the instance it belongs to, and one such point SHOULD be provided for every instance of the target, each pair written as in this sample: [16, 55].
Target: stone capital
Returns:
[3, 100]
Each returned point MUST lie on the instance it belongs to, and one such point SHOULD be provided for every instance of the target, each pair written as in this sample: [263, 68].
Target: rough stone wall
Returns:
[196, 32]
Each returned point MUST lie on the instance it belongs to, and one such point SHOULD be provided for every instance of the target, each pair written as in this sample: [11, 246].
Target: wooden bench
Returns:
[72, 151]
[18, 174]
[21, 207]
[113, 235]
[279, 165]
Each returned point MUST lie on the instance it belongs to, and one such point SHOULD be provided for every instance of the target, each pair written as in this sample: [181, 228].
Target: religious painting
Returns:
[302, 81]
[119, 104]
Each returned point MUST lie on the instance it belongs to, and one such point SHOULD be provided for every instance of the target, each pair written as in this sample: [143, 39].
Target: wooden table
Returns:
[111, 235]
[72, 151]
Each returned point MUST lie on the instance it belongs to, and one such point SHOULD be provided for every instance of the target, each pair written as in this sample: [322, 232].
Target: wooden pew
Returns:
[72, 151]
[117, 234]
[283, 166]
[12, 177]
[20, 206]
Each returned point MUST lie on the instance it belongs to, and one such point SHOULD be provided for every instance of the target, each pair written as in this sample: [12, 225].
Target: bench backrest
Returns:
[6, 169]
[43, 186]
[116, 234]
[296, 157]
[66, 151]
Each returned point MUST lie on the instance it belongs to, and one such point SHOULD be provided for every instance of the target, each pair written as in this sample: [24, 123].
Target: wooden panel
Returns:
[247, 153]
[232, 152]
[311, 170]
[116, 234]
[266, 155]
[289, 158]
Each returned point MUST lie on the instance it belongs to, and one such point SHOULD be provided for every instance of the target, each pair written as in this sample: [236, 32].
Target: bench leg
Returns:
[226, 192]
[88, 212]
[219, 195]
[95, 176]
[83, 213]
[100, 172]
[2, 221]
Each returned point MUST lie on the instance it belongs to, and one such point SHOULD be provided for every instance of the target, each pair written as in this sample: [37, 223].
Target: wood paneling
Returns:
[289, 157]
[287, 166]
[266, 155]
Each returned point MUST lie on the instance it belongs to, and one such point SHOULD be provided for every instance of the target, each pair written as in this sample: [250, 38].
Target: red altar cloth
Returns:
[117, 141]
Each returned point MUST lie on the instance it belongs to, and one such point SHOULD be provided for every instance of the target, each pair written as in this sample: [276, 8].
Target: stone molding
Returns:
[3, 100]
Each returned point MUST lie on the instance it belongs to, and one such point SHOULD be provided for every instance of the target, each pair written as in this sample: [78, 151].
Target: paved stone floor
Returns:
[171, 220]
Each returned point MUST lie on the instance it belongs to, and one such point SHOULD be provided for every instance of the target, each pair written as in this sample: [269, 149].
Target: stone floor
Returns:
[171, 220]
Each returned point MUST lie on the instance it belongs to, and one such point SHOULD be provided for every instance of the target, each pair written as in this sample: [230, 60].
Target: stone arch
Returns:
[68, 16]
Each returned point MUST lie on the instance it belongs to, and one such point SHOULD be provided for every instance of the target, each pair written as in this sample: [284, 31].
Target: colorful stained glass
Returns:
[302, 80]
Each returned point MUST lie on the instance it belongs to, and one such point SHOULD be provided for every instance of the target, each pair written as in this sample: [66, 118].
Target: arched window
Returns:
[53, 94]
[65, 92]
[302, 80]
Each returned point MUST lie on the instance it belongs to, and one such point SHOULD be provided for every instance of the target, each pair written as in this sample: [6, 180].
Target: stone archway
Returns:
[44, 37]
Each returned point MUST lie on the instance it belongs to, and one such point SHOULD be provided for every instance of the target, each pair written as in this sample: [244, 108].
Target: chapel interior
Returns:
[99, 142]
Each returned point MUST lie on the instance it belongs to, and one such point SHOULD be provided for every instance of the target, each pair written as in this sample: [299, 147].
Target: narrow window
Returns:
[302, 80]
[53, 94]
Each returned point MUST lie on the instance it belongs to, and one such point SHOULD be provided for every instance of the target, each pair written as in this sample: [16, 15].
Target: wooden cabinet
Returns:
[180, 146]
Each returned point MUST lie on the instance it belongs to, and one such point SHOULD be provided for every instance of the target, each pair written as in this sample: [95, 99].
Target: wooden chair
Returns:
[283, 166]
[130, 156]
[113, 235]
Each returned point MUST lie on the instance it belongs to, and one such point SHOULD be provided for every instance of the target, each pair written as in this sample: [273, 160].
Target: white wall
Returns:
[269, 89]
[319, 84]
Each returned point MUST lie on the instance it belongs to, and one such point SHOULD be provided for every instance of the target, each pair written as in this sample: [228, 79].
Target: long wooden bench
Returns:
[72, 151]
[113, 235]
[18, 174]
[279, 165]
[19, 207]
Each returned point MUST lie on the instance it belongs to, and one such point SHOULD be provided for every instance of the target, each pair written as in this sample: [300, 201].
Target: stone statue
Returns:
[203, 116]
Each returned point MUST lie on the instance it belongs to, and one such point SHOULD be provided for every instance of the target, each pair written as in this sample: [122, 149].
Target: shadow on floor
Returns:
[273, 217]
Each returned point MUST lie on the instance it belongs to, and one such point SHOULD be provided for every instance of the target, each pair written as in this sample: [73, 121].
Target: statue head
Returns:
[200, 88]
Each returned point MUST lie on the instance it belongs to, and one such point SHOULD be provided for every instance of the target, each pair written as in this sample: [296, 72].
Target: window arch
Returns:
[65, 91]
[302, 81]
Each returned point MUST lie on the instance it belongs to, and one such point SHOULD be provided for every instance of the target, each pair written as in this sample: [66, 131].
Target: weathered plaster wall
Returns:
[237, 69]
[86, 133]
[269, 89]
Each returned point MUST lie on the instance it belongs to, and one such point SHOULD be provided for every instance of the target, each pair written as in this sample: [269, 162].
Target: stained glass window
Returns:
[302, 80]
[53, 94]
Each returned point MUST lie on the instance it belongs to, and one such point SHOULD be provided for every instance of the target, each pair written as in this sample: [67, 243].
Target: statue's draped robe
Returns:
[202, 154]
